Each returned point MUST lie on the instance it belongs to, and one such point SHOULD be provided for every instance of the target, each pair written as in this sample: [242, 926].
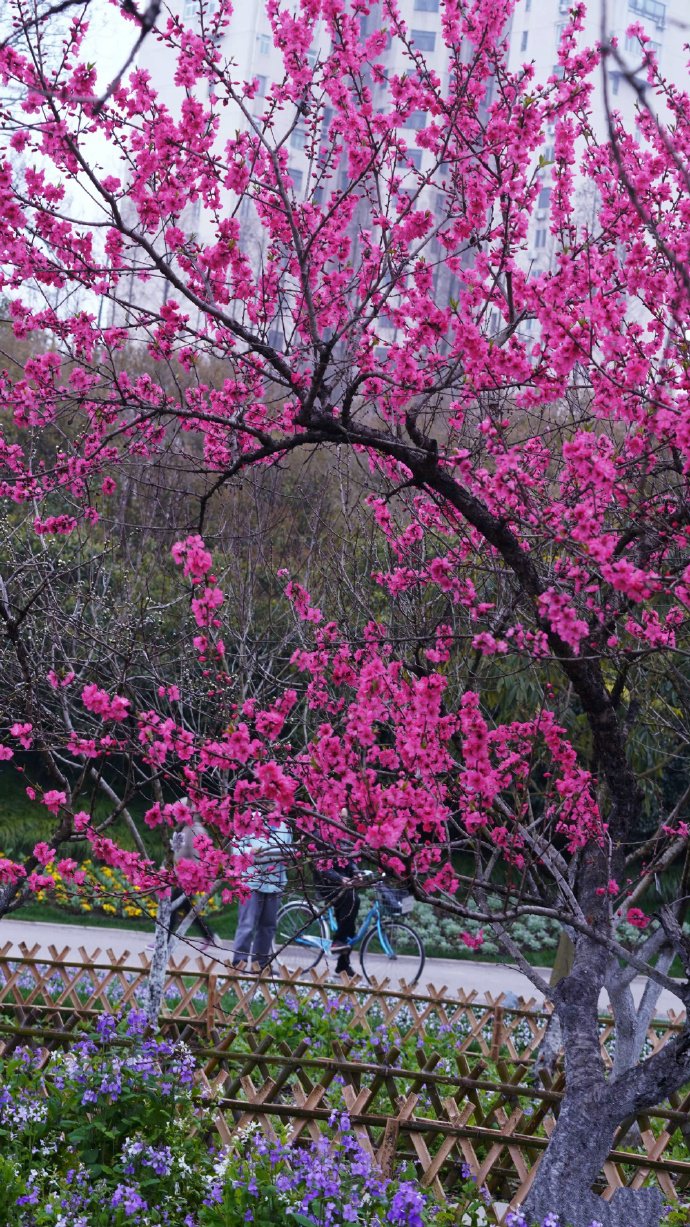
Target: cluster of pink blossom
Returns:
[108, 707]
[523, 432]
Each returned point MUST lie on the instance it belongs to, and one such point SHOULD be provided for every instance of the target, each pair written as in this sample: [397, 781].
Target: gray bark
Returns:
[585, 1133]
[632, 1022]
[164, 944]
[577, 1150]
[159, 962]
[596, 1104]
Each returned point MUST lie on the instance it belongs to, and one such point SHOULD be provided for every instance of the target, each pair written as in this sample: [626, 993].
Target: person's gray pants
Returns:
[256, 926]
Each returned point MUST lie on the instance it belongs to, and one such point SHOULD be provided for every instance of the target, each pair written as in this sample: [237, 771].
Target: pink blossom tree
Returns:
[521, 439]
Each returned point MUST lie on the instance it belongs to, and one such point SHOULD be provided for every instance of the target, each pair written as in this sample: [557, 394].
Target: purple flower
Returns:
[106, 1027]
[28, 1199]
[407, 1206]
[137, 1022]
[129, 1199]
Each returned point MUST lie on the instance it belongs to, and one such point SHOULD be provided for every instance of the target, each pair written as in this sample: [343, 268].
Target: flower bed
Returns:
[116, 1132]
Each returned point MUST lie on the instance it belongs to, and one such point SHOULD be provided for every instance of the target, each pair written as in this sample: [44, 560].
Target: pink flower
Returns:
[40, 881]
[66, 868]
[301, 602]
[101, 704]
[23, 733]
[611, 888]
[192, 555]
[473, 941]
[10, 872]
[44, 855]
[636, 917]
[204, 606]
[58, 682]
[52, 800]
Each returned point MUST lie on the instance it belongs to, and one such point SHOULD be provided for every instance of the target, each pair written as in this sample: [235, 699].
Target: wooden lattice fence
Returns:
[202, 997]
[478, 1108]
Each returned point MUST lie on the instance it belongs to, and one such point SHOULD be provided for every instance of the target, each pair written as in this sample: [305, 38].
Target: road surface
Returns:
[87, 942]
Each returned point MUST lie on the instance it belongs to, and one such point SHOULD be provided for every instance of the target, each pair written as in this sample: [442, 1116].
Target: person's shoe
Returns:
[344, 964]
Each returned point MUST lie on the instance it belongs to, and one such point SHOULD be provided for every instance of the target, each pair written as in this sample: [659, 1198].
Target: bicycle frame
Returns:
[374, 915]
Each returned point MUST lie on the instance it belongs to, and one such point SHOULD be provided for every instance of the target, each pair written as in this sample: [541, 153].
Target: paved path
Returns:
[451, 974]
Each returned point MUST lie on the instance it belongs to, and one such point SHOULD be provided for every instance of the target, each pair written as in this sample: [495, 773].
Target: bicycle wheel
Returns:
[400, 954]
[300, 935]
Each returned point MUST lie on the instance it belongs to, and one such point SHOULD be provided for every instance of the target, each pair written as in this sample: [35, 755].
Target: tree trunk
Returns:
[159, 962]
[576, 1153]
[594, 1106]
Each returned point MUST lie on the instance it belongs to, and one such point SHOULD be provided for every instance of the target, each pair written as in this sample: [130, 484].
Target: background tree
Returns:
[518, 680]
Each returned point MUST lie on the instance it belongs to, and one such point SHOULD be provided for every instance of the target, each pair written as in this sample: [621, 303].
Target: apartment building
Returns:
[533, 36]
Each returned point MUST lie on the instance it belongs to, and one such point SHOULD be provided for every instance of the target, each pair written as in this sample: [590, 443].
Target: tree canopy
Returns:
[491, 702]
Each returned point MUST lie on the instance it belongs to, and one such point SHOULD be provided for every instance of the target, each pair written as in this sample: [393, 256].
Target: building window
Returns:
[261, 84]
[540, 238]
[263, 43]
[615, 80]
[654, 9]
[426, 6]
[528, 5]
[190, 9]
[544, 198]
[411, 158]
[298, 138]
[424, 40]
[633, 46]
[416, 120]
[524, 40]
[297, 177]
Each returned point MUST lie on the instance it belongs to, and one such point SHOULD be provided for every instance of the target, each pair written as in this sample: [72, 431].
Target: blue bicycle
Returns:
[304, 934]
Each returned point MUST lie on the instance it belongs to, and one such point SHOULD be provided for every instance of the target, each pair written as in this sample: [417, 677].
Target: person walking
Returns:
[336, 887]
[258, 914]
[183, 849]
